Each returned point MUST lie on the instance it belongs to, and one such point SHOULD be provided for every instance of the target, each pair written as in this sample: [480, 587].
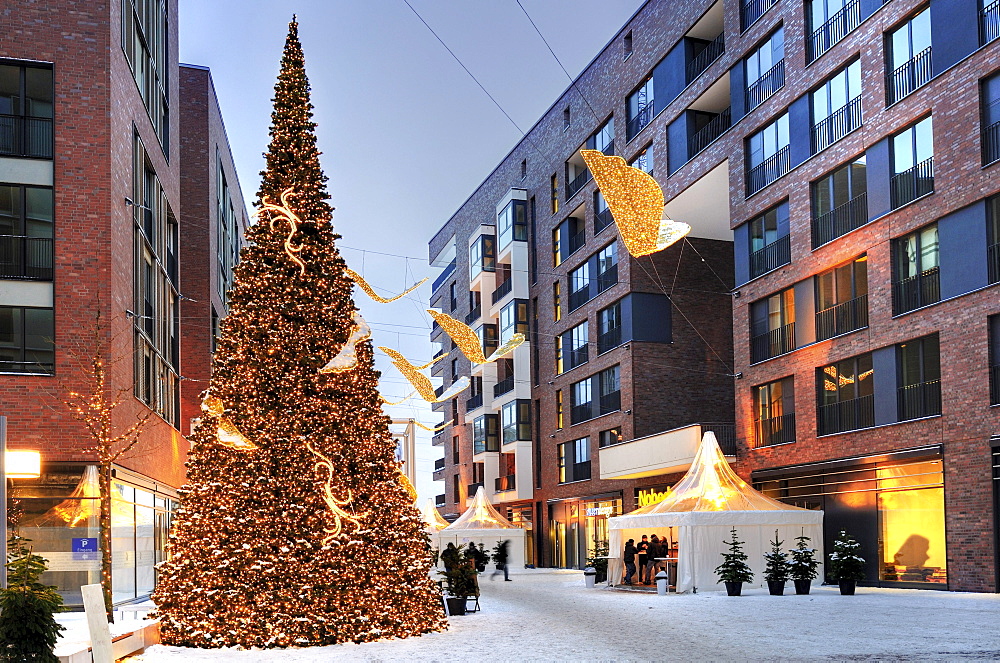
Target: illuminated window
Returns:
[774, 413]
[559, 408]
[608, 437]
[556, 302]
[846, 395]
[554, 182]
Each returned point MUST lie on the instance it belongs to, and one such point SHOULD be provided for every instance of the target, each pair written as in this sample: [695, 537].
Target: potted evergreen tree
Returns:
[846, 566]
[599, 561]
[776, 569]
[734, 570]
[803, 565]
[28, 628]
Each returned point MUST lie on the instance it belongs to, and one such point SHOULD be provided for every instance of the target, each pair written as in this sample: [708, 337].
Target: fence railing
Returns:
[768, 170]
[577, 357]
[840, 220]
[772, 256]
[907, 186]
[907, 77]
[22, 136]
[923, 399]
[579, 298]
[995, 385]
[836, 28]
[503, 290]
[771, 343]
[473, 488]
[579, 471]
[709, 133]
[725, 435]
[504, 386]
[989, 23]
[577, 240]
[607, 278]
[835, 126]
[581, 412]
[842, 318]
[753, 10]
[700, 62]
[439, 464]
[761, 89]
[474, 403]
[991, 142]
[846, 415]
[577, 183]
[505, 483]
[610, 339]
[776, 430]
[611, 402]
[474, 314]
[642, 117]
[916, 291]
[602, 220]
[26, 257]
[993, 262]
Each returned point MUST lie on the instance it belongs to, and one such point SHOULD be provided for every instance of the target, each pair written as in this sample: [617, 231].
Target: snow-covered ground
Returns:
[546, 614]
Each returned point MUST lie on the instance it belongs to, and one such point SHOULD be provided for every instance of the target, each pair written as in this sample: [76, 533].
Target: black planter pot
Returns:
[456, 606]
[847, 587]
[776, 587]
[734, 588]
[802, 586]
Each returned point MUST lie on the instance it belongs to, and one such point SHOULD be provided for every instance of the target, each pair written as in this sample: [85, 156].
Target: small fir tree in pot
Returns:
[846, 566]
[803, 565]
[28, 628]
[734, 570]
[599, 561]
[776, 569]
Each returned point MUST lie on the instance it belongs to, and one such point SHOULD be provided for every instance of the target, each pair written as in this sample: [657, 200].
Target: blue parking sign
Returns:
[84, 549]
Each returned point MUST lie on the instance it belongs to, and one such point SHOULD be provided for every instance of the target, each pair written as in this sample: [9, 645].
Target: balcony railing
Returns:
[991, 143]
[579, 298]
[753, 10]
[919, 400]
[611, 402]
[643, 117]
[776, 430]
[473, 488]
[908, 76]
[576, 241]
[443, 276]
[840, 220]
[761, 89]
[838, 124]
[579, 471]
[916, 291]
[474, 314]
[767, 171]
[504, 386]
[440, 390]
[22, 136]
[505, 483]
[725, 435]
[582, 412]
[474, 403]
[577, 183]
[771, 343]
[26, 257]
[993, 262]
[995, 385]
[907, 186]
[611, 339]
[602, 220]
[440, 500]
[842, 318]
[706, 57]
[709, 133]
[839, 26]
[607, 278]
[503, 290]
[989, 23]
[439, 464]
[846, 415]
[772, 256]
[577, 357]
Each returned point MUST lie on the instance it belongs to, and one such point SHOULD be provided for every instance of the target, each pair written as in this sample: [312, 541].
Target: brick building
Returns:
[858, 142]
[94, 133]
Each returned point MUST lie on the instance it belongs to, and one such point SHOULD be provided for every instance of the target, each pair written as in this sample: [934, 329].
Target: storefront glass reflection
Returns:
[911, 521]
[578, 528]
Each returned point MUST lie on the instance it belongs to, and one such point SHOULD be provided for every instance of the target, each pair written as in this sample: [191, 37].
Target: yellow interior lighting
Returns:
[22, 465]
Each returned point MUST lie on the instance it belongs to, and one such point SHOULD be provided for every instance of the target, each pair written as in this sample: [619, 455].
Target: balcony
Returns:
[753, 10]
[474, 403]
[915, 401]
[642, 117]
[771, 257]
[439, 464]
[995, 385]
[990, 138]
[578, 472]
[768, 344]
[438, 439]
[577, 357]
[577, 183]
[473, 488]
[838, 124]
[474, 314]
[830, 33]
[603, 219]
[989, 23]
[842, 319]
[582, 412]
[700, 62]
[611, 339]
[908, 76]
[505, 483]
[774, 431]
[761, 89]
[607, 278]
[579, 298]
[505, 386]
[667, 452]
[768, 171]
[916, 291]
[503, 290]
[26, 136]
[443, 276]
[993, 262]
[907, 186]
[576, 241]
[840, 220]
[846, 415]
[709, 133]
[440, 500]
[611, 402]
[26, 257]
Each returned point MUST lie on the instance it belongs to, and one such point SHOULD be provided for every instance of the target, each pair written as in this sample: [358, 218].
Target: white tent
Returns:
[432, 518]
[699, 513]
[481, 523]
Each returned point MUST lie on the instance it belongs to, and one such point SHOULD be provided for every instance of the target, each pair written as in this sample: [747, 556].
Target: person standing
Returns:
[501, 559]
[652, 553]
[629, 558]
[641, 553]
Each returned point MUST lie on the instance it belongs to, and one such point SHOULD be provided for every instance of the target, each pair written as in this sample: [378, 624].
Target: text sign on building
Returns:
[600, 511]
[84, 549]
[651, 495]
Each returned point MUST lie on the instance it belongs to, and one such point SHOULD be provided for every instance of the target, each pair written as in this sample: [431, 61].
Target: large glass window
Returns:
[644, 160]
[482, 256]
[916, 272]
[512, 223]
[27, 340]
[144, 40]
[993, 325]
[485, 436]
[574, 460]
[911, 523]
[26, 232]
[909, 55]
[769, 243]
[829, 22]
[579, 286]
[607, 267]
[516, 420]
[912, 163]
[774, 412]
[764, 69]
[609, 327]
[576, 342]
[836, 106]
[26, 96]
[846, 395]
[772, 326]
[609, 383]
[228, 233]
[767, 155]
[990, 115]
[842, 299]
[581, 401]
[840, 202]
[919, 375]
[641, 108]
[604, 138]
[513, 319]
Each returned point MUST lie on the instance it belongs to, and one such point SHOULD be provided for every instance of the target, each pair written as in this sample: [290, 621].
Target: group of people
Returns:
[645, 554]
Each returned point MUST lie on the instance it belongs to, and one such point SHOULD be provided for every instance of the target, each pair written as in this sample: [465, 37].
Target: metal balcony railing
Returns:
[771, 343]
[838, 124]
[991, 143]
[602, 220]
[504, 386]
[607, 278]
[907, 186]
[582, 412]
[577, 357]
[503, 290]
[772, 256]
[923, 399]
[916, 291]
[776, 430]
[25, 257]
[443, 276]
[989, 23]
[995, 385]
[22, 136]
[577, 240]
[700, 62]
[579, 471]
[908, 76]
[768, 171]
[842, 318]
[846, 415]
[840, 220]
[611, 402]
[836, 28]
[474, 314]
[709, 133]
[440, 500]
[611, 339]
[993, 262]
[642, 117]
[761, 89]
[725, 435]
[753, 10]
[33, 367]
[579, 298]
[578, 183]
[473, 488]
[474, 403]
[439, 464]
[505, 483]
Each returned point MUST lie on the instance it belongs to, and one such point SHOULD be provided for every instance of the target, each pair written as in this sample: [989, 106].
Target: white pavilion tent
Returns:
[698, 515]
[481, 523]
[432, 518]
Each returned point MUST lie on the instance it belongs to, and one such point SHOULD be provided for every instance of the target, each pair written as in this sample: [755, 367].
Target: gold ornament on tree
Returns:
[283, 211]
[333, 504]
[347, 358]
[226, 432]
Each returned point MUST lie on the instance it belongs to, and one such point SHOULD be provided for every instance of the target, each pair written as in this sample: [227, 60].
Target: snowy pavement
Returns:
[547, 614]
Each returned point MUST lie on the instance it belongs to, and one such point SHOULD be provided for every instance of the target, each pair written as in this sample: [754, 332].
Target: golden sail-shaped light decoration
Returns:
[226, 433]
[357, 278]
[468, 341]
[433, 429]
[420, 381]
[405, 398]
[636, 203]
[347, 358]
[408, 486]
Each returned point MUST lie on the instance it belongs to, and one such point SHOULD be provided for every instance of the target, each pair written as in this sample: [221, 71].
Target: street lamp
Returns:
[13, 465]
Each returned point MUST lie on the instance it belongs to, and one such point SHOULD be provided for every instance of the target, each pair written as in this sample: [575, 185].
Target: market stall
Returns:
[481, 523]
[432, 517]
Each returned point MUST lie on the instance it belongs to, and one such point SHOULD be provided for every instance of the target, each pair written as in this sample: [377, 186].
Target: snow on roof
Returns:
[480, 515]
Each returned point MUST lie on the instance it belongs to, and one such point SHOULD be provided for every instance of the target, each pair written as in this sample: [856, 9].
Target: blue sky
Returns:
[406, 134]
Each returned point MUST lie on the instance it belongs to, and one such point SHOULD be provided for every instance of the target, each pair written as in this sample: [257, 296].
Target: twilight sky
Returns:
[406, 134]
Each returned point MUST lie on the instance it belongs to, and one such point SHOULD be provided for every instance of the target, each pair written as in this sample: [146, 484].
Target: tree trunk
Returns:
[105, 533]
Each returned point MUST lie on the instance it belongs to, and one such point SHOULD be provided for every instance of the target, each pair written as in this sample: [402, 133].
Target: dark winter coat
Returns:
[630, 553]
[502, 552]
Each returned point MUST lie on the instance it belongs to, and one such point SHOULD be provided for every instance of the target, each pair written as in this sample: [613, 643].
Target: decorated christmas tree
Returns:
[295, 527]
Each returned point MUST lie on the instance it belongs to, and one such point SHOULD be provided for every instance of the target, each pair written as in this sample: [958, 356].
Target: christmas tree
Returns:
[295, 528]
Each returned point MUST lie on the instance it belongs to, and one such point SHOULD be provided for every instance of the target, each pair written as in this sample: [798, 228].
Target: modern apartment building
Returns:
[96, 128]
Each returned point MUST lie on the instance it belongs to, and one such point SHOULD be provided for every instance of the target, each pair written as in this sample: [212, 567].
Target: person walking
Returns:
[501, 560]
[641, 553]
[630, 553]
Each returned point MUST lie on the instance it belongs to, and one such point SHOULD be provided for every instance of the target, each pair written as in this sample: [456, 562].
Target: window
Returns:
[579, 286]
[524, 168]
[574, 460]
[609, 327]
[27, 340]
[919, 376]
[608, 437]
[767, 155]
[554, 182]
[774, 413]
[26, 232]
[916, 272]
[644, 160]
[26, 96]
[993, 239]
[765, 69]
[454, 412]
[516, 420]
[559, 409]
[455, 446]
[604, 138]
[513, 319]
[602, 215]
[609, 382]
[454, 369]
[228, 232]
[508, 473]
[482, 256]
[846, 396]
[913, 163]
[627, 45]
[772, 326]
[909, 57]
[836, 107]
[990, 116]
[607, 268]
[839, 202]
[640, 108]
[215, 330]
[556, 302]
[829, 21]
[144, 40]
[842, 299]
[512, 223]
[455, 483]
[580, 401]
[488, 337]
[769, 243]
[993, 323]
[566, 118]
[485, 436]
[556, 247]
[453, 295]
[576, 344]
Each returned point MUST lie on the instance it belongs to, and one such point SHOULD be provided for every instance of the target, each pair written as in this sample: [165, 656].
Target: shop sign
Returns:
[600, 511]
[84, 549]
[647, 496]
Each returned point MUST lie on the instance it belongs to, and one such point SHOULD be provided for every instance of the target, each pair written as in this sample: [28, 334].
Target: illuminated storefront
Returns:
[577, 527]
[651, 494]
[521, 516]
